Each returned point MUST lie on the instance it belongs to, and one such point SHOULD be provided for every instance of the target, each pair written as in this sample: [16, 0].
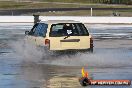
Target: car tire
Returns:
[91, 50]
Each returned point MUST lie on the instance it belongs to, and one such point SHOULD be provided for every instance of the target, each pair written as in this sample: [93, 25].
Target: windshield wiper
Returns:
[67, 36]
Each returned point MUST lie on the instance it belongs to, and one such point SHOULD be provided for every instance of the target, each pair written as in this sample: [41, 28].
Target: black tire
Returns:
[91, 50]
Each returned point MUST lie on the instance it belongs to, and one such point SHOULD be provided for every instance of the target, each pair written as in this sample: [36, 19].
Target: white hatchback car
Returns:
[61, 35]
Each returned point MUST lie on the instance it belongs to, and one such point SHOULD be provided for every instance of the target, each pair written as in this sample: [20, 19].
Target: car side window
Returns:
[39, 29]
[32, 30]
[82, 29]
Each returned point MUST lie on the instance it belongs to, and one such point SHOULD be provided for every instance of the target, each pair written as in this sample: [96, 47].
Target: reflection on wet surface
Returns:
[28, 67]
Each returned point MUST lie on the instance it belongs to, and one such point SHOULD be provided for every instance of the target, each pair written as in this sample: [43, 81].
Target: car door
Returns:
[64, 38]
[38, 33]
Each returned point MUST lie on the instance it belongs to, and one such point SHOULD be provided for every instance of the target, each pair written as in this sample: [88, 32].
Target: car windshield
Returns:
[68, 29]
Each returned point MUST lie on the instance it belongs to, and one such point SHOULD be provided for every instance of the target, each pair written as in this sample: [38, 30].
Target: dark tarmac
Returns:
[27, 11]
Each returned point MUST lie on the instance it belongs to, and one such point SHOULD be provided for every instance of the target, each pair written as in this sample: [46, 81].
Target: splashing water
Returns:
[100, 58]
[28, 51]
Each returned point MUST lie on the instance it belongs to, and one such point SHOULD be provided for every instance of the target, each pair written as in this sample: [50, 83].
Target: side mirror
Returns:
[26, 32]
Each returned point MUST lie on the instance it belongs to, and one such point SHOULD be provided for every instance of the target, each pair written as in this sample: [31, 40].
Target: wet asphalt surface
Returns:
[25, 66]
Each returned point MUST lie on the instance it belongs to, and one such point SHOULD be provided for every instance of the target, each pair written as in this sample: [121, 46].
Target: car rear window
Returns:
[68, 29]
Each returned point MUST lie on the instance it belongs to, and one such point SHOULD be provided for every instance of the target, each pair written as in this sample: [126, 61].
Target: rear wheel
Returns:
[91, 45]
[91, 50]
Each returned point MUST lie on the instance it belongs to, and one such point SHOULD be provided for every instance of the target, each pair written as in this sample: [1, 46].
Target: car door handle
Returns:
[70, 40]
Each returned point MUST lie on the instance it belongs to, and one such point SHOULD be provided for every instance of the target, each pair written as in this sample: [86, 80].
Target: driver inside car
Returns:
[67, 29]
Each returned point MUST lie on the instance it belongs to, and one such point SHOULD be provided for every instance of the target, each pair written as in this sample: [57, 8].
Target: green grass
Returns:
[50, 4]
[24, 5]
[11, 4]
[70, 1]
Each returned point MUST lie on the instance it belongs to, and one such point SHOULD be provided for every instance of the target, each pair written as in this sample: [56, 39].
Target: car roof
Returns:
[59, 21]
